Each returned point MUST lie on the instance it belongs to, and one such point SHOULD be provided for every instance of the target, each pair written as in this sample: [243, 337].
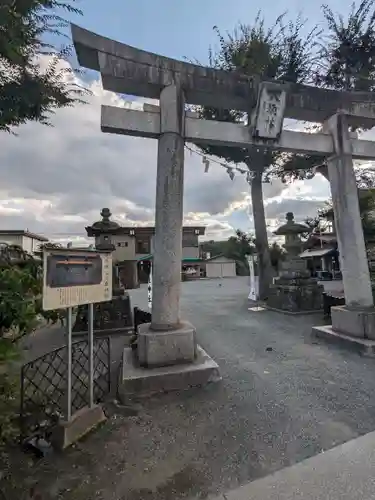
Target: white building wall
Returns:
[31, 245]
[213, 270]
[27, 244]
[221, 268]
[124, 247]
[188, 252]
[229, 269]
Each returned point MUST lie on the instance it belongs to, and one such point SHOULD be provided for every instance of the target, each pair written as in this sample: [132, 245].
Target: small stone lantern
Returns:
[293, 266]
[105, 229]
[115, 315]
[294, 291]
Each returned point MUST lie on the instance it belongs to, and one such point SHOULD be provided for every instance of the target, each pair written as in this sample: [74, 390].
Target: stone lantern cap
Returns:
[292, 227]
[105, 225]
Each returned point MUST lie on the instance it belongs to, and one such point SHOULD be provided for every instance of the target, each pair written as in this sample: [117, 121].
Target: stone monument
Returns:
[114, 316]
[294, 291]
[128, 70]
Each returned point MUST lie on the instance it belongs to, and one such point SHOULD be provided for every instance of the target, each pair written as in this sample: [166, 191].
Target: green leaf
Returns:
[27, 93]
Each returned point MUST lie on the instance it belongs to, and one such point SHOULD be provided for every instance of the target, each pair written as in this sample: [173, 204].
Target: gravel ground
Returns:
[284, 397]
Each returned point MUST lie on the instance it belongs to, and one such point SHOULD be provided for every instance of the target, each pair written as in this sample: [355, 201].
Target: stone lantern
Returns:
[294, 290]
[293, 245]
[113, 316]
[104, 229]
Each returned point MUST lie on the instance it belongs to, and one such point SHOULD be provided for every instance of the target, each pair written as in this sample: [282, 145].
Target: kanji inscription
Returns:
[269, 118]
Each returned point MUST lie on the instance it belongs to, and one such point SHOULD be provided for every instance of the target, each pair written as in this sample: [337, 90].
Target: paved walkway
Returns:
[283, 398]
[346, 472]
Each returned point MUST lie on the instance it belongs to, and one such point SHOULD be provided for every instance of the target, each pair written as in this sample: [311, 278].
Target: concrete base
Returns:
[354, 328]
[82, 422]
[137, 381]
[362, 346]
[166, 348]
[292, 313]
[354, 322]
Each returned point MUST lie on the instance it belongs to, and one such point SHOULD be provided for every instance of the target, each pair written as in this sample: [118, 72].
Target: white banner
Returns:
[254, 280]
[149, 288]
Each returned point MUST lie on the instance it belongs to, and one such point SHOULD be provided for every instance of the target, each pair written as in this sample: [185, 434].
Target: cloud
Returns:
[303, 198]
[56, 179]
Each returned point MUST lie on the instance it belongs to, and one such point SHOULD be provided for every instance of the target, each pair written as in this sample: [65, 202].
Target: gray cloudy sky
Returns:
[55, 180]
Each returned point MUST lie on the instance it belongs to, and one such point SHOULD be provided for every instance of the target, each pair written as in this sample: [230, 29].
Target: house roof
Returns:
[317, 253]
[140, 230]
[220, 256]
[327, 237]
[145, 257]
[21, 232]
[187, 260]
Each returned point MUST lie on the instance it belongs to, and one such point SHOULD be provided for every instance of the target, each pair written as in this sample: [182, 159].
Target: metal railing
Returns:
[44, 383]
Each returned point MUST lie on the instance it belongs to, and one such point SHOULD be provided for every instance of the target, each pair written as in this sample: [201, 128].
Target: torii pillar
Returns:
[353, 323]
[168, 339]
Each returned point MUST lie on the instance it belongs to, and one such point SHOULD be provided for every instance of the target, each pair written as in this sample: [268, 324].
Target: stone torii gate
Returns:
[125, 69]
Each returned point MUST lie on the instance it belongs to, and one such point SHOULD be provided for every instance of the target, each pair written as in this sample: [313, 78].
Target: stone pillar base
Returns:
[353, 328]
[173, 347]
[136, 382]
[354, 322]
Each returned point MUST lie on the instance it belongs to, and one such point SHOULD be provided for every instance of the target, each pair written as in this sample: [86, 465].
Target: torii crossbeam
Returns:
[146, 123]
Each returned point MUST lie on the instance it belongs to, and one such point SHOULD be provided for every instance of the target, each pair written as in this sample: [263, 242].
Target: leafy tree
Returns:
[366, 198]
[49, 245]
[20, 292]
[212, 247]
[235, 247]
[367, 209]
[347, 55]
[281, 53]
[346, 62]
[27, 92]
[20, 307]
[241, 245]
[17, 315]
